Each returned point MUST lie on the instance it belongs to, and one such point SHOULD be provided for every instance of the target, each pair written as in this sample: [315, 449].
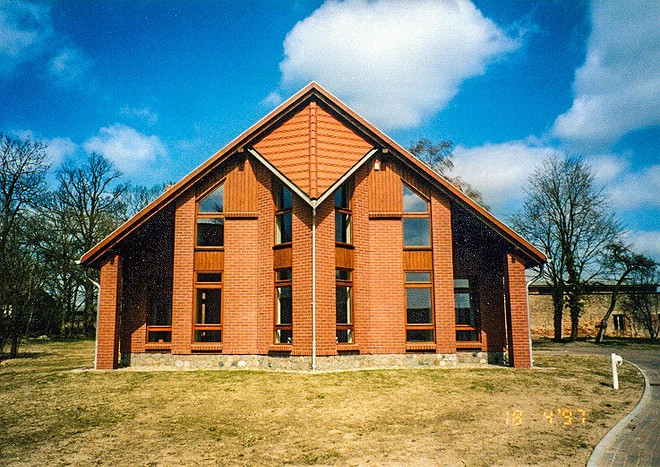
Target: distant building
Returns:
[312, 238]
[597, 299]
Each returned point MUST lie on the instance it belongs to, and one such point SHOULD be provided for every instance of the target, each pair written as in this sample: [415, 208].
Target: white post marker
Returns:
[617, 360]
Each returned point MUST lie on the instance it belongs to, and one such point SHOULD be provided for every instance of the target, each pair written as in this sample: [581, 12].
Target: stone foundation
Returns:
[168, 361]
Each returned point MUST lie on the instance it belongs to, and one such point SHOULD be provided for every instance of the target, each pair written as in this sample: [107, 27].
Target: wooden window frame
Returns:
[350, 326]
[281, 211]
[474, 303]
[276, 326]
[208, 327]
[153, 328]
[209, 215]
[415, 215]
[425, 326]
[345, 210]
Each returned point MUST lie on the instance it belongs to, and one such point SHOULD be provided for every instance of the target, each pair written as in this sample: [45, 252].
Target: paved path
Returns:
[636, 443]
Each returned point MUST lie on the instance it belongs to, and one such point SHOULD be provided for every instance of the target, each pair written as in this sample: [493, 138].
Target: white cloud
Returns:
[141, 113]
[617, 90]
[24, 29]
[128, 149]
[58, 148]
[645, 242]
[272, 100]
[27, 35]
[639, 189]
[607, 167]
[69, 67]
[501, 171]
[395, 62]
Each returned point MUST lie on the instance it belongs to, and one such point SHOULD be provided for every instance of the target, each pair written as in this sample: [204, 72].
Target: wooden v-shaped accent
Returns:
[313, 149]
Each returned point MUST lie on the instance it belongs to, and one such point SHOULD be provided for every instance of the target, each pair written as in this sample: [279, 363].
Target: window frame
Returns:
[281, 283]
[474, 307]
[345, 210]
[156, 328]
[428, 285]
[209, 215]
[350, 325]
[201, 285]
[282, 211]
[415, 215]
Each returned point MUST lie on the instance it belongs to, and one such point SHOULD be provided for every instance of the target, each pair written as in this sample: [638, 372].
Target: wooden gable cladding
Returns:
[313, 149]
[241, 189]
[385, 189]
[338, 148]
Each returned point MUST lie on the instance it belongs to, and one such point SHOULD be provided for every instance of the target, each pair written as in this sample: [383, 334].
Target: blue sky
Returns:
[157, 87]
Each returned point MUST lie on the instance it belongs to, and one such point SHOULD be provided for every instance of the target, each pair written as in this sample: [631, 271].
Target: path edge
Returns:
[599, 451]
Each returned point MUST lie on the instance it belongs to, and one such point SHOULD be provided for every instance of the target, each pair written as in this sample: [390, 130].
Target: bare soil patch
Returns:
[555, 415]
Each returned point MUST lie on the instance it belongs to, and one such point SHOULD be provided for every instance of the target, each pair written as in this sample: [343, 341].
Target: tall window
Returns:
[208, 314]
[159, 324]
[342, 215]
[467, 313]
[210, 218]
[416, 219]
[419, 307]
[344, 292]
[283, 203]
[283, 307]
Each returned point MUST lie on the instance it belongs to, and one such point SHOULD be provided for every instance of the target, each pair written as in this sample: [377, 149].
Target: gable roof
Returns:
[335, 142]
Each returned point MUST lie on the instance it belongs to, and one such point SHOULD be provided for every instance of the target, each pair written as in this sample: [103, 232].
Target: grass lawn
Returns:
[51, 415]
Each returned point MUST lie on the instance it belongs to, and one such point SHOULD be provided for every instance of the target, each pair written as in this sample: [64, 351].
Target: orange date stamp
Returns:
[564, 416]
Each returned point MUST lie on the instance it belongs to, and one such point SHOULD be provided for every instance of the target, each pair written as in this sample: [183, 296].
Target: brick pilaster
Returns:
[519, 347]
[184, 259]
[302, 277]
[326, 311]
[107, 332]
[443, 276]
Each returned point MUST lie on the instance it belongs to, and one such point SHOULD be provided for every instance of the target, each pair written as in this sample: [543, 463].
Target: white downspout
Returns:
[314, 288]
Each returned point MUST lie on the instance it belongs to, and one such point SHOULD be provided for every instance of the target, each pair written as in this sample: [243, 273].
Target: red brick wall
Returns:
[241, 287]
[519, 350]
[387, 322]
[326, 316]
[184, 259]
[264, 247]
[362, 270]
[301, 277]
[107, 333]
[443, 275]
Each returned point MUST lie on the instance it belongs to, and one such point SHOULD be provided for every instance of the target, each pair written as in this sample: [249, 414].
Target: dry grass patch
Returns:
[52, 415]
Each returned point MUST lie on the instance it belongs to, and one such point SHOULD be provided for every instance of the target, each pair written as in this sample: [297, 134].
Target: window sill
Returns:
[418, 248]
[468, 345]
[281, 246]
[208, 346]
[280, 348]
[385, 215]
[241, 215]
[346, 346]
[158, 346]
[420, 346]
[209, 248]
[347, 246]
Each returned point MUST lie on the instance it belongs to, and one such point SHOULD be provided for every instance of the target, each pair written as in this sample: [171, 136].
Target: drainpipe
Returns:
[529, 314]
[314, 287]
[98, 304]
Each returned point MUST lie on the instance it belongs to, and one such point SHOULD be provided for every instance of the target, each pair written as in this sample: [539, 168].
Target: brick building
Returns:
[313, 238]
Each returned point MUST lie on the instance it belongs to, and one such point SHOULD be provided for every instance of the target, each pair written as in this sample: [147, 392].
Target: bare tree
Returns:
[89, 196]
[624, 263]
[643, 307]
[438, 157]
[571, 221]
[137, 197]
[22, 174]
